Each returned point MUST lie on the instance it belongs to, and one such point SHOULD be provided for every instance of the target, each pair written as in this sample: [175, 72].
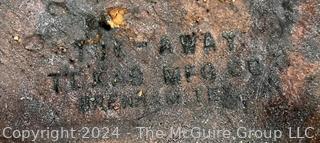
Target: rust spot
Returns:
[307, 13]
[293, 78]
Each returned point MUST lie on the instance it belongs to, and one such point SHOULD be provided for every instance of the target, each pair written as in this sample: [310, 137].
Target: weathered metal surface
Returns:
[173, 63]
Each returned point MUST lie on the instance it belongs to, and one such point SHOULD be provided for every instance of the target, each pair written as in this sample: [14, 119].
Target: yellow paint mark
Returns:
[117, 16]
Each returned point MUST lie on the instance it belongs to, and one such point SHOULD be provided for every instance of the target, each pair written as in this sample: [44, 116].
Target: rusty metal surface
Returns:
[173, 63]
